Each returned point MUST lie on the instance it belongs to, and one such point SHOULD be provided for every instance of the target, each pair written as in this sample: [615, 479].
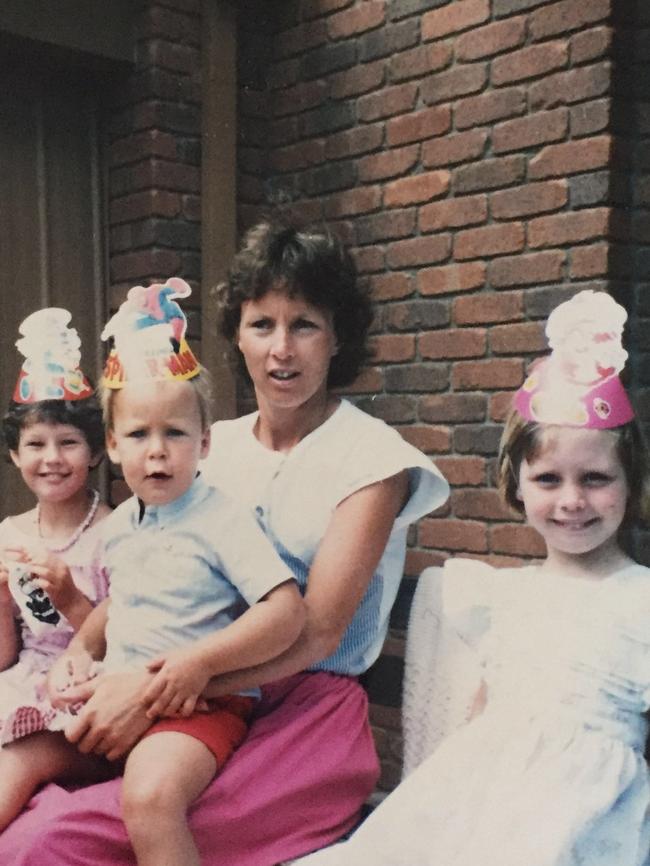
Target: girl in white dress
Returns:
[50, 569]
[549, 769]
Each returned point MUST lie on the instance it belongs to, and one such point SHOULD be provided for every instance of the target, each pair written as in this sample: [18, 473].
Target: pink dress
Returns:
[22, 708]
[299, 780]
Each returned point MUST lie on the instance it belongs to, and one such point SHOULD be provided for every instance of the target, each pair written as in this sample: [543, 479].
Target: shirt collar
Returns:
[163, 514]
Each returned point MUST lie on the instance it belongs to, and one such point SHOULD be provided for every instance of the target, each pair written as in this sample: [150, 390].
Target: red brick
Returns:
[388, 163]
[350, 202]
[300, 97]
[457, 81]
[144, 263]
[370, 380]
[453, 534]
[386, 225]
[534, 198]
[453, 343]
[418, 560]
[453, 213]
[358, 19]
[368, 259]
[516, 539]
[525, 132]
[172, 56]
[451, 278]
[418, 251]
[559, 160]
[590, 44]
[483, 504]
[297, 156]
[419, 61]
[351, 142]
[150, 203]
[591, 261]
[431, 440]
[317, 8]
[568, 228]
[575, 85]
[489, 174]
[362, 78]
[454, 149]
[500, 405]
[529, 62]
[490, 240]
[546, 267]
[453, 408]
[491, 39]
[300, 38]
[416, 189]
[590, 117]
[171, 25]
[192, 207]
[456, 16]
[566, 16]
[518, 339]
[391, 286]
[490, 106]
[491, 374]
[488, 307]
[391, 348]
[390, 408]
[462, 471]
[390, 101]
[418, 125]
[282, 74]
[153, 142]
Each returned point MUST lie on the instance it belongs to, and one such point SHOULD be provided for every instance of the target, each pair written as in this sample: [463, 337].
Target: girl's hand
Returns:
[55, 579]
[69, 670]
[180, 678]
[5, 593]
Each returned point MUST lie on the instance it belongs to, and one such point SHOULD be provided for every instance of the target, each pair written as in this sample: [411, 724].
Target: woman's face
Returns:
[288, 345]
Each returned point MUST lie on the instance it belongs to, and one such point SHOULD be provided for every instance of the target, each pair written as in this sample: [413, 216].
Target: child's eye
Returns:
[136, 434]
[596, 479]
[547, 479]
[33, 443]
[68, 442]
[175, 432]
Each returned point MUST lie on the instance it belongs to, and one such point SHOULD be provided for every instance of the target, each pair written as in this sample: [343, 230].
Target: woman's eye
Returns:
[304, 324]
[261, 324]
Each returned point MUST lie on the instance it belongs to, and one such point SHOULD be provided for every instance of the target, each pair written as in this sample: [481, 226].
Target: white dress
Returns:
[552, 773]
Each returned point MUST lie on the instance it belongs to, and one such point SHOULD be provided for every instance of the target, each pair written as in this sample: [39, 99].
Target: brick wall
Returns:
[470, 152]
[153, 135]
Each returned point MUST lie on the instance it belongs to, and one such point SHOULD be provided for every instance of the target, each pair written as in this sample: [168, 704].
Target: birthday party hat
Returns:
[578, 384]
[148, 333]
[50, 370]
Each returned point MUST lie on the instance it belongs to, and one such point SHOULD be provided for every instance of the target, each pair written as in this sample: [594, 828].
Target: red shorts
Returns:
[221, 729]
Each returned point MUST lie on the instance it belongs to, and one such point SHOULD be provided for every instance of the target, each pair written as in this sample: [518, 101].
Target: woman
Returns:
[335, 490]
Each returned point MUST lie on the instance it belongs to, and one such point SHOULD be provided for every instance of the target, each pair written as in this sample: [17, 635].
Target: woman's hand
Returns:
[180, 677]
[68, 671]
[113, 718]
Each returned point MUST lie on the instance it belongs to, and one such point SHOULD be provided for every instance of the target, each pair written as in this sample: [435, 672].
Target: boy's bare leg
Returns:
[27, 763]
[164, 775]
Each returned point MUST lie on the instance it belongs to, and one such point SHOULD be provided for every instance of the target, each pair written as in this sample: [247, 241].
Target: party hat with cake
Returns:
[50, 370]
[148, 333]
[578, 385]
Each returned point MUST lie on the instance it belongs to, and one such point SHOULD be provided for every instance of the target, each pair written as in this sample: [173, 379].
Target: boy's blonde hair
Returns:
[201, 384]
[525, 440]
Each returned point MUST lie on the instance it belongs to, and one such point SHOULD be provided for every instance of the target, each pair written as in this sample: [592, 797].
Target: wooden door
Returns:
[51, 219]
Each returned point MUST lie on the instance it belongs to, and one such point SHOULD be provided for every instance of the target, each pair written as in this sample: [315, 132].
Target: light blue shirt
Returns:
[181, 571]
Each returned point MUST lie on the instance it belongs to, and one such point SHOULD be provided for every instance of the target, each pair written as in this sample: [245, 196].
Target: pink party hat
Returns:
[578, 385]
[50, 370]
[148, 332]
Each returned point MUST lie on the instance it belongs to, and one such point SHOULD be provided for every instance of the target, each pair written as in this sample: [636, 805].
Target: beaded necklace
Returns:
[76, 535]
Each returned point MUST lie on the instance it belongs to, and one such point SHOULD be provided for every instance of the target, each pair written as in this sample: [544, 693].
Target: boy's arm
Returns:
[262, 632]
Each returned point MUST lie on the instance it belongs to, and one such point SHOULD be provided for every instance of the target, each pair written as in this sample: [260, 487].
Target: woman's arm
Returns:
[344, 564]
[262, 632]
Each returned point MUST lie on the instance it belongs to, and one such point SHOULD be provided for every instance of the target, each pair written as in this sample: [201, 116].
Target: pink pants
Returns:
[295, 784]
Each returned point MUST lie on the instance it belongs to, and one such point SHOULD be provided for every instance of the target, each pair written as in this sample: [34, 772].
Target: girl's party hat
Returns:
[578, 385]
[50, 370]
